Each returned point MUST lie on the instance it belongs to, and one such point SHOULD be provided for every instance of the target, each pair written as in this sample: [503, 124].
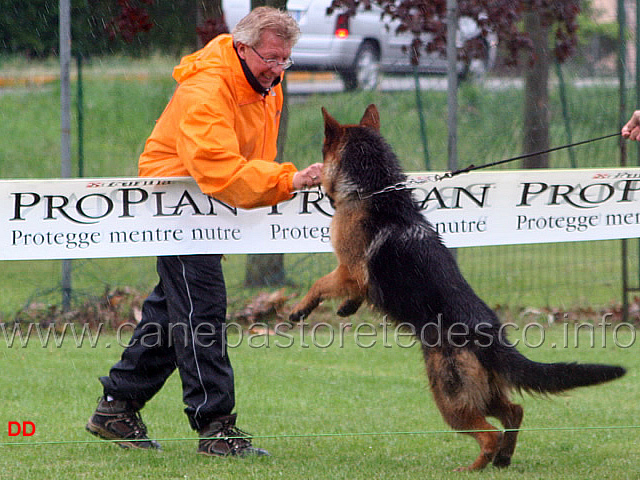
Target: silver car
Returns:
[361, 47]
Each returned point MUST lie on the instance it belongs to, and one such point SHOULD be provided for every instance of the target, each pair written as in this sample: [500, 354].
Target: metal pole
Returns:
[622, 54]
[565, 113]
[423, 123]
[80, 114]
[452, 84]
[65, 125]
[452, 88]
[637, 65]
[637, 77]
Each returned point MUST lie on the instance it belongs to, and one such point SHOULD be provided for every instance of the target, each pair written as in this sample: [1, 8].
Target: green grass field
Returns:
[325, 410]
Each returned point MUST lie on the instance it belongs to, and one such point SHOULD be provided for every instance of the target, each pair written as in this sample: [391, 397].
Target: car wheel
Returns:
[365, 73]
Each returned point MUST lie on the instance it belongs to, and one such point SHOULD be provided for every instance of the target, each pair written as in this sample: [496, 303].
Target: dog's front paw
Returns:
[301, 311]
[349, 307]
[298, 315]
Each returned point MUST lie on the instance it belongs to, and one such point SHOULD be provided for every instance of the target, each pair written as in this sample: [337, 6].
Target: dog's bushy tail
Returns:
[534, 377]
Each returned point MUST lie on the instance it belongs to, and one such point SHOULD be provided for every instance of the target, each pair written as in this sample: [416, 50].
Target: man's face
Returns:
[270, 47]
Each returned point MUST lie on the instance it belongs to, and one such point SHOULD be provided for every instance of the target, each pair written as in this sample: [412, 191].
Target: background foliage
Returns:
[99, 26]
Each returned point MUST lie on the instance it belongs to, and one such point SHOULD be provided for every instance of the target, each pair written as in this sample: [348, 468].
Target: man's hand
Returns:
[309, 177]
[632, 129]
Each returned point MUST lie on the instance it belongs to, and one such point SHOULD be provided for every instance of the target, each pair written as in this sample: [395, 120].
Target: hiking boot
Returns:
[119, 420]
[222, 438]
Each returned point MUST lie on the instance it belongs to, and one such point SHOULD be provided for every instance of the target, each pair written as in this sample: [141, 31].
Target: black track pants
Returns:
[182, 326]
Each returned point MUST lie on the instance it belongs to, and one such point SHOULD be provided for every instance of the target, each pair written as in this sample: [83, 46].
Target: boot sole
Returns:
[100, 432]
[254, 453]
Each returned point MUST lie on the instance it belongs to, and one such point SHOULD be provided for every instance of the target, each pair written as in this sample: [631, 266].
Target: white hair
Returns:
[249, 30]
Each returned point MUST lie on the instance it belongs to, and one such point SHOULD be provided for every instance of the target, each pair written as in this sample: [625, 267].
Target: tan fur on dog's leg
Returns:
[337, 284]
[488, 440]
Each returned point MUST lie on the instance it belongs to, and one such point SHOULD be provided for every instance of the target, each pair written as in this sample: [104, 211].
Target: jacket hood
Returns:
[212, 55]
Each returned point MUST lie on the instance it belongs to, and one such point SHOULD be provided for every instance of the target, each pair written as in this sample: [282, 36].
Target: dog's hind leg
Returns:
[461, 390]
[488, 437]
[510, 415]
[473, 422]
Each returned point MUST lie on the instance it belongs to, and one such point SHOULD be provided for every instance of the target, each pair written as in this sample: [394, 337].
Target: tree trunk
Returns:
[268, 269]
[536, 105]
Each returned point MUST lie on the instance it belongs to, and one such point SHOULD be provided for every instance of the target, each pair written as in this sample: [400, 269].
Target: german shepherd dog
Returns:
[392, 257]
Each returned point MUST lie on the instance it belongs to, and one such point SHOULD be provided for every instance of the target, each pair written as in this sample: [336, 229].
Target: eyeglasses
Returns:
[272, 63]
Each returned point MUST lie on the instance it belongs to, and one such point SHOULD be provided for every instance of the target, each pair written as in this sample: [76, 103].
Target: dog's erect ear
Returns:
[371, 118]
[331, 126]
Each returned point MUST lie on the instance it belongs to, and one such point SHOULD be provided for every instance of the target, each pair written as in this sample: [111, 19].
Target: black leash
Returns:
[408, 184]
[472, 167]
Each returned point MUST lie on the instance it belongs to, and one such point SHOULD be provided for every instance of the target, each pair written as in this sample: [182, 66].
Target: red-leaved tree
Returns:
[536, 31]
[132, 18]
[503, 17]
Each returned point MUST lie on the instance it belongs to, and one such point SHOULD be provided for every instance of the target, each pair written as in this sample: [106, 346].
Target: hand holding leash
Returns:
[631, 130]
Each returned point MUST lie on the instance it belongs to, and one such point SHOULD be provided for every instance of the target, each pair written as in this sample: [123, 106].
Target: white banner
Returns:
[128, 217]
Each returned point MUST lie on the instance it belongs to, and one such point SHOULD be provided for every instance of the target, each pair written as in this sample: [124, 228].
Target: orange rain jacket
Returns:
[220, 131]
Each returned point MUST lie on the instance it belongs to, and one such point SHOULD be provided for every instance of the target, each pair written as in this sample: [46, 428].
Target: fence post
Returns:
[452, 88]
[637, 75]
[65, 125]
[622, 57]
[452, 84]
[80, 114]
[565, 112]
[423, 125]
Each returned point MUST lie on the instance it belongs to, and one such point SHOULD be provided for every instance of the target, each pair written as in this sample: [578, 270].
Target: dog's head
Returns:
[356, 158]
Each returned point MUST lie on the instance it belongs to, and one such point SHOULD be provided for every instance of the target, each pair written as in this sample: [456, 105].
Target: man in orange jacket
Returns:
[220, 127]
